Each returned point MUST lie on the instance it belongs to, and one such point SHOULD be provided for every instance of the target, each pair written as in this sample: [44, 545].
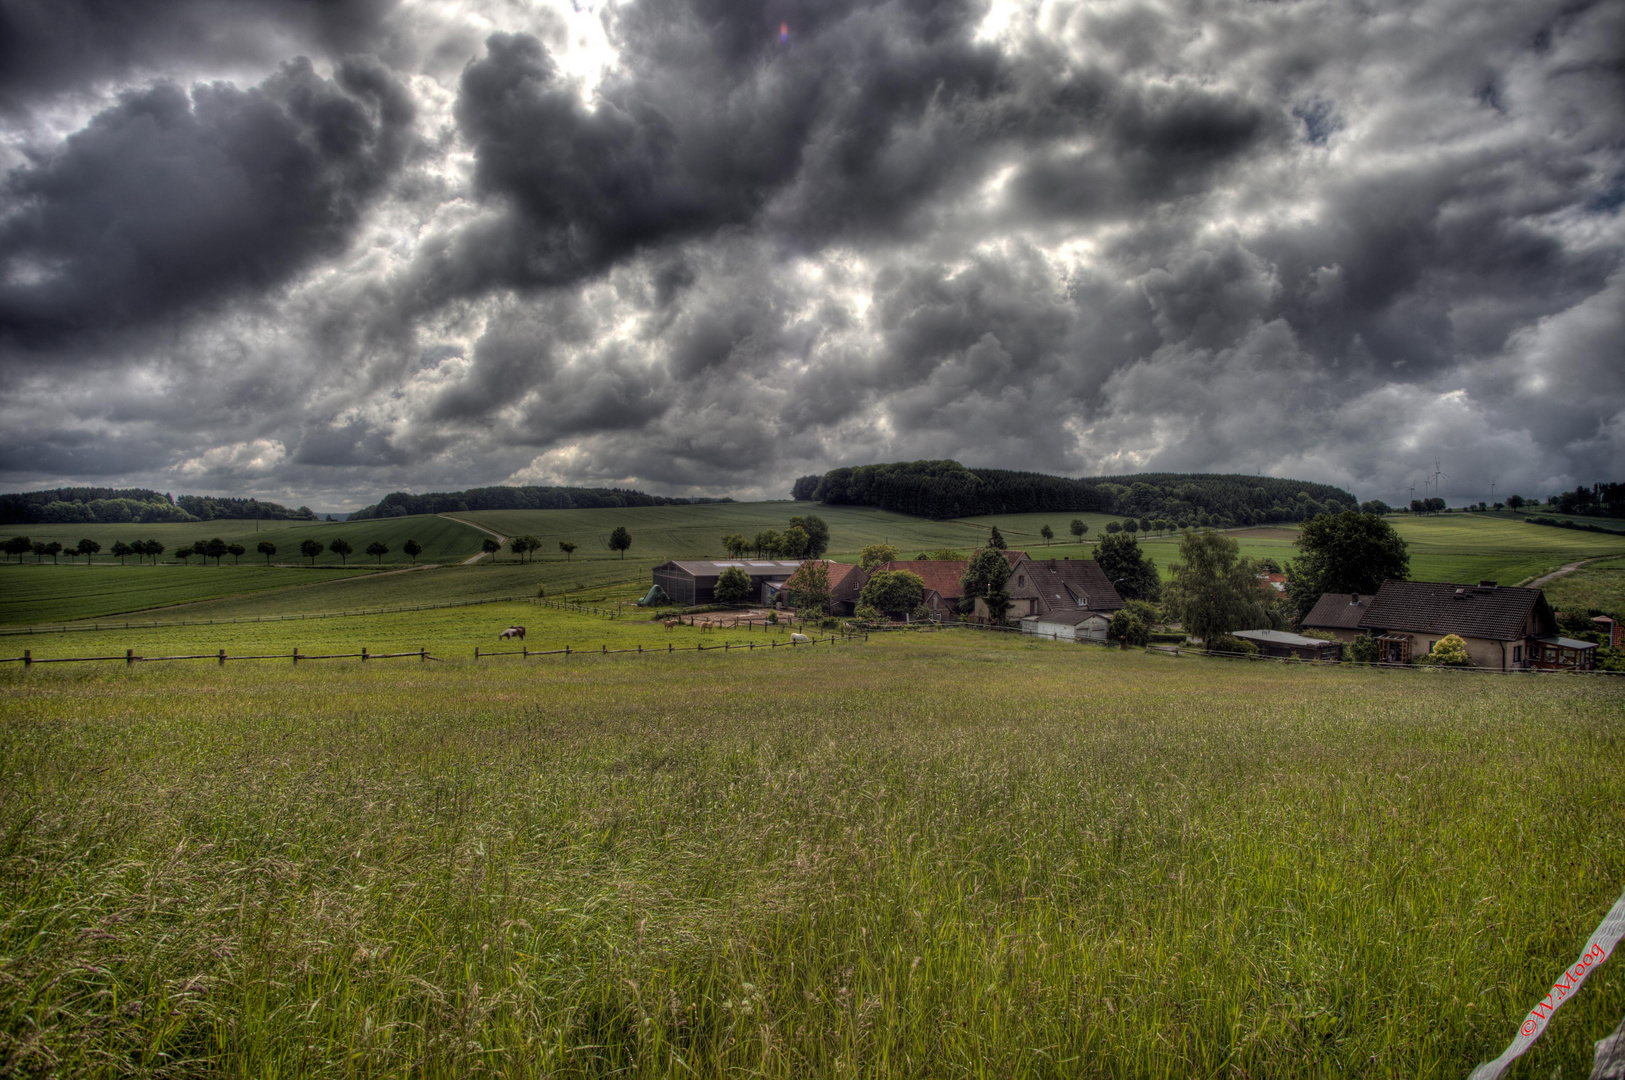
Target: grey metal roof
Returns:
[1281, 637]
[1566, 642]
[715, 567]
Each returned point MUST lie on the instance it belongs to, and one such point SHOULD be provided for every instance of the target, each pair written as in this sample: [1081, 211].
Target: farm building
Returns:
[1057, 589]
[1279, 643]
[1505, 628]
[942, 583]
[1075, 625]
[1609, 629]
[846, 580]
[1338, 614]
[693, 581]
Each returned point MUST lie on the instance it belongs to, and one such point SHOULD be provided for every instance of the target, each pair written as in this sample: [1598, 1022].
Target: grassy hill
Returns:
[1065, 861]
[31, 595]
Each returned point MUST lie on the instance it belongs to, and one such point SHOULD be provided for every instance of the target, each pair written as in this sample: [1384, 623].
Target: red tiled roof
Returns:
[941, 576]
[845, 581]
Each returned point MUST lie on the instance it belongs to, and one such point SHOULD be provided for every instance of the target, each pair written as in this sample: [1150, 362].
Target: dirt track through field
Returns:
[472, 559]
[1568, 568]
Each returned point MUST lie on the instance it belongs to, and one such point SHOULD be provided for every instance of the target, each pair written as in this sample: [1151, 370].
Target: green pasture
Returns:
[1600, 586]
[31, 594]
[696, 532]
[944, 855]
[442, 539]
[445, 632]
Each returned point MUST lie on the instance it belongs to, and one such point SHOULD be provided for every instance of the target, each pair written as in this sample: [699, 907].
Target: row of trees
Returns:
[106, 506]
[525, 546]
[216, 549]
[530, 497]
[807, 537]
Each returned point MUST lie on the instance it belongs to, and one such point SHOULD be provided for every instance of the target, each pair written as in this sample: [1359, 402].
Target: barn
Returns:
[694, 581]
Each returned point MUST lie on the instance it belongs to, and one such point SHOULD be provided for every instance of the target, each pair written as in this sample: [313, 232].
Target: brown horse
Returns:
[512, 632]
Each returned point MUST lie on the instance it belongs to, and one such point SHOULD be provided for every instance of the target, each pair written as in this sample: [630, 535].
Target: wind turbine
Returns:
[1438, 476]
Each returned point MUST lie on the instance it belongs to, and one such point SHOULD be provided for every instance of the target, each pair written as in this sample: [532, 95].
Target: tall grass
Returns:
[941, 856]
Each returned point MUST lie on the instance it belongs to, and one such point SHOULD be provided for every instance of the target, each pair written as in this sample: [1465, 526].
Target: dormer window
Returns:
[1083, 600]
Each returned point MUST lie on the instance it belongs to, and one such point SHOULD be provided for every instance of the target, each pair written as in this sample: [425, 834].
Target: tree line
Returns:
[204, 550]
[403, 504]
[946, 489]
[106, 506]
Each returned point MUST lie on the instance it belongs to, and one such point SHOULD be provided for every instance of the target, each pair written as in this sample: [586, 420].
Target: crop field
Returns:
[443, 539]
[931, 855]
[39, 594]
[1476, 547]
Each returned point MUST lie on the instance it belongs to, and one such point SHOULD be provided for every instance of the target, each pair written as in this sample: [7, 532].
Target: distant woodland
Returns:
[946, 489]
[90, 505]
[401, 504]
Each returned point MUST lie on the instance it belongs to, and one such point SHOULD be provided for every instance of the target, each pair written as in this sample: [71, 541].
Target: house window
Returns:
[1021, 580]
[1430, 645]
[1517, 654]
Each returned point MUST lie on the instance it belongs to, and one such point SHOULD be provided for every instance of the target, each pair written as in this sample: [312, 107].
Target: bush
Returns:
[865, 613]
[1449, 651]
[921, 613]
[1363, 650]
[773, 618]
[1128, 628]
[1144, 610]
[1230, 644]
[541, 592]
[829, 623]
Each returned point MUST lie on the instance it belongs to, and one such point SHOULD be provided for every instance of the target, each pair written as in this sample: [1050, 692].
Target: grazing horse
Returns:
[800, 639]
[512, 632]
[671, 624]
[707, 625]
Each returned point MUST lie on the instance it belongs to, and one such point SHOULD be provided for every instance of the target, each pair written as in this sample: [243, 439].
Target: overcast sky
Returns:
[317, 252]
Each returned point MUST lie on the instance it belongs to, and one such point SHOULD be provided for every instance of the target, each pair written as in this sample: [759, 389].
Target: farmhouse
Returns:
[1505, 628]
[942, 583]
[1339, 614]
[1060, 587]
[1279, 643]
[694, 581]
[846, 581]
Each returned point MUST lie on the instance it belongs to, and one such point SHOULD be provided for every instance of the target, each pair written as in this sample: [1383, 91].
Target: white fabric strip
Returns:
[1598, 949]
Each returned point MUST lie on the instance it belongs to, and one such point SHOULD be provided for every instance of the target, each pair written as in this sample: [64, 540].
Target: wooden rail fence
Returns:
[671, 647]
[28, 659]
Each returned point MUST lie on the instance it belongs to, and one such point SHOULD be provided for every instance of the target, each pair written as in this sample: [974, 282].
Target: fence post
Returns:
[524, 652]
[606, 648]
[129, 657]
[476, 652]
[423, 653]
[670, 648]
[363, 654]
[567, 650]
[28, 657]
[222, 658]
[296, 654]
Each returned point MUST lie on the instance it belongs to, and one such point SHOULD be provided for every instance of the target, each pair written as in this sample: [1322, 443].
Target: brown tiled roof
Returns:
[1498, 613]
[1060, 585]
[1338, 611]
[845, 581]
[940, 575]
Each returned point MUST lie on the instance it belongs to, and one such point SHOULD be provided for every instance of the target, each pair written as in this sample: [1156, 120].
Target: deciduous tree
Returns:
[309, 549]
[1214, 590]
[894, 592]
[215, 549]
[1047, 533]
[266, 548]
[809, 587]
[87, 548]
[413, 549]
[53, 549]
[18, 546]
[996, 540]
[378, 549]
[1079, 528]
[237, 551]
[735, 545]
[733, 586]
[121, 551]
[876, 555]
[567, 547]
[341, 547]
[817, 531]
[1347, 553]
[620, 540]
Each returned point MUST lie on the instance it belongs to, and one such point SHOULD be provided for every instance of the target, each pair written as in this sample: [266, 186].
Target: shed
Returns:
[694, 581]
[1279, 643]
[1067, 625]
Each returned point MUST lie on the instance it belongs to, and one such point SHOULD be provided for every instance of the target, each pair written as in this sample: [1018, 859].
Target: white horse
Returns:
[800, 639]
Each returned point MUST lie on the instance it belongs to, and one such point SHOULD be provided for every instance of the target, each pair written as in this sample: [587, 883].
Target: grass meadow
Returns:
[1601, 586]
[46, 594]
[931, 855]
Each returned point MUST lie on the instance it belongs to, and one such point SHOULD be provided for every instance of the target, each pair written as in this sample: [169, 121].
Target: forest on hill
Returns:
[90, 505]
[401, 503]
[947, 489]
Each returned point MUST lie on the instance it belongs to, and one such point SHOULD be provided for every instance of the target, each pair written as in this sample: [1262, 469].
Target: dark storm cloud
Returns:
[170, 200]
[1317, 239]
[48, 46]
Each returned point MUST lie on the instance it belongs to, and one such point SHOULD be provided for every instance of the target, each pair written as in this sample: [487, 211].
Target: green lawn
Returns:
[442, 539]
[940, 855]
